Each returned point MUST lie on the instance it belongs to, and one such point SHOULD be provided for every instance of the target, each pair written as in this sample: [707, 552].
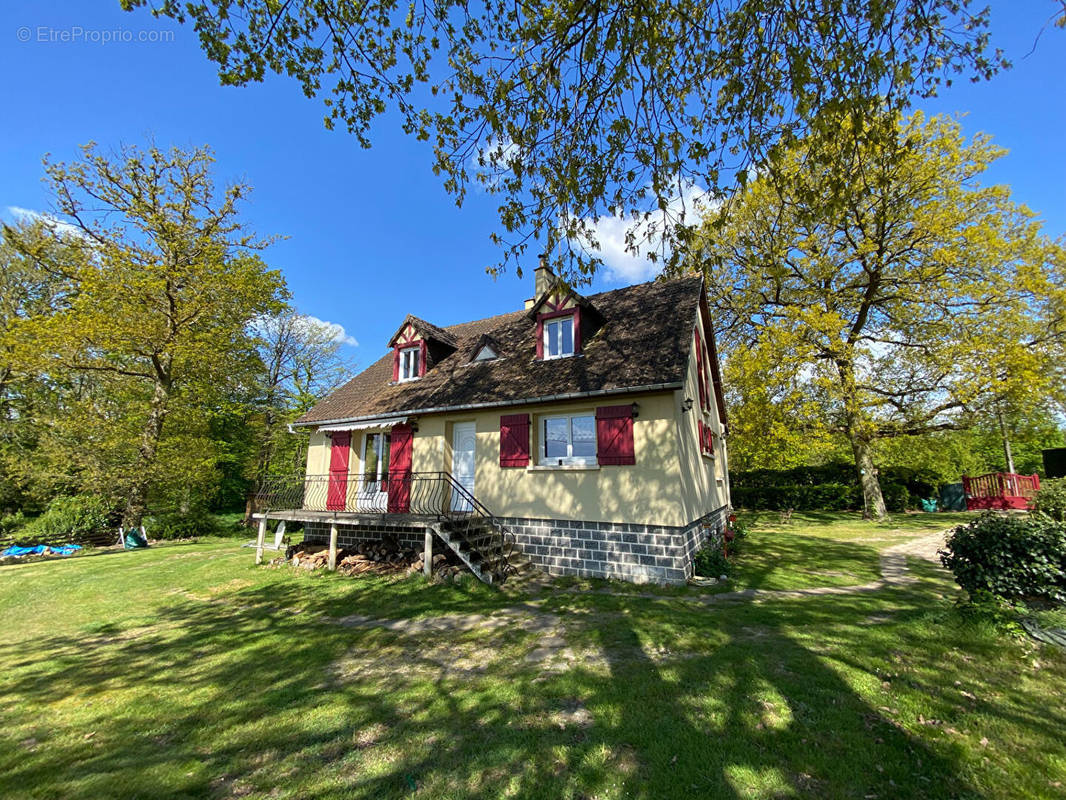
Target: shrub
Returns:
[1051, 500]
[68, 519]
[710, 562]
[10, 524]
[897, 496]
[801, 497]
[181, 525]
[1010, 557]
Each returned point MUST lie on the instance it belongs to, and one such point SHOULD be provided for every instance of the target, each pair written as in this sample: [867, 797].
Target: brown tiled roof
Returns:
[427, 329]
[644, 341]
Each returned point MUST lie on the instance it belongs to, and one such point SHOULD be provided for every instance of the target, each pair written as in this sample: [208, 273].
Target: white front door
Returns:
[464, 440]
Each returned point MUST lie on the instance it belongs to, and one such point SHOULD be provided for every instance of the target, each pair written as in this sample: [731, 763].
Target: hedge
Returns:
[1011, 557]
[818, 497]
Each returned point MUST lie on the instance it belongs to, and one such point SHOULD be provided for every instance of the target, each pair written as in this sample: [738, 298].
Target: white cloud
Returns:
[490, 162]
[622, 265]
[56, 224]
[339, 334]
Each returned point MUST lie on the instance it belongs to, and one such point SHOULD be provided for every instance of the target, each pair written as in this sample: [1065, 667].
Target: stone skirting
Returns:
[351, 534]
[638, 553]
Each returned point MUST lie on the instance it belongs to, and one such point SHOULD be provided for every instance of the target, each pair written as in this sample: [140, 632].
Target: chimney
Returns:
[544, 278]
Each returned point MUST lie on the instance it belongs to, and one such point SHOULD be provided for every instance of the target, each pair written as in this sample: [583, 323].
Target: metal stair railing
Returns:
[436, 494]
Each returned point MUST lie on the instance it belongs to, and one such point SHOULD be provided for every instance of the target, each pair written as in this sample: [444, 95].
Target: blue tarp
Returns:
[40, 550]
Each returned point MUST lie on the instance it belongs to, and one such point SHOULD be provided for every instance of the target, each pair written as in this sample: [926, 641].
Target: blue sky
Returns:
[371, 233]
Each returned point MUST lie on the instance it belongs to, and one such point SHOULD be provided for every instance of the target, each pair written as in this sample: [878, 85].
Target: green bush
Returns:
[68, 519]
[1010, 557]
[800, 497]
[10, 524]
[897, 496]
[1051, 500]
[710, 562]
[178, 525]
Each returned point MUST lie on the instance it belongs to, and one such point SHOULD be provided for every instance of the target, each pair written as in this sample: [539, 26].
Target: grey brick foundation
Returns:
[638, 553]
[349, 534]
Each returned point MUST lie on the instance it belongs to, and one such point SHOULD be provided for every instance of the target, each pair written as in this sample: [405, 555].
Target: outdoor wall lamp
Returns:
[636, 411]
[686, 405]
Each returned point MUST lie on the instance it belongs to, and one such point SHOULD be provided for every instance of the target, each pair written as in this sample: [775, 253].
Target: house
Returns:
[583, 434]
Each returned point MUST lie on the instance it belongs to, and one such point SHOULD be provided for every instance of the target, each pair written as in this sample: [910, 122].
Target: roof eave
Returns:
[552, 398]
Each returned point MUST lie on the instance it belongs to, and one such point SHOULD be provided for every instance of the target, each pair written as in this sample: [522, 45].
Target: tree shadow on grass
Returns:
[254, 693]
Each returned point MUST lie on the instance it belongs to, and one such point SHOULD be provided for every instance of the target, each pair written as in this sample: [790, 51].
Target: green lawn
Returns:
[184, 671]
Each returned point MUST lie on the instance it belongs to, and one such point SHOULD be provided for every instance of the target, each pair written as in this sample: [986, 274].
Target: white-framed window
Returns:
[559, 337]
[409, 365]
[568, 440]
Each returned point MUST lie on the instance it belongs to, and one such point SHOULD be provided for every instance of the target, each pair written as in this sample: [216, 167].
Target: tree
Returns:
[302, 361]
[159, 299]
[572, 111]
[905, 294]
[30, 286]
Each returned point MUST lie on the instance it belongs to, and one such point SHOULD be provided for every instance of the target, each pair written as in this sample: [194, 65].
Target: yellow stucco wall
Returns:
[705, 480]
[648, 492]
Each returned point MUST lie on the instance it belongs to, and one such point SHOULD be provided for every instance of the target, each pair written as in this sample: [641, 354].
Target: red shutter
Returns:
[337, 492]
[395, 364]
[540, 339]
[400, 469]
[514, 440]
[423, 352]
[614, 436]
[577, 331]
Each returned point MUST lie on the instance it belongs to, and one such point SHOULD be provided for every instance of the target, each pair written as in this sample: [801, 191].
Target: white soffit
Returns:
[363, 426]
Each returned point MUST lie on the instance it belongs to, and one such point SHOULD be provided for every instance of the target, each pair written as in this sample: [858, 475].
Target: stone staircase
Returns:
[481, 546]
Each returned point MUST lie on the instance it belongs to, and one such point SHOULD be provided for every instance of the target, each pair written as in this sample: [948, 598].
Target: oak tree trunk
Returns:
[873, 502]
[137, 497]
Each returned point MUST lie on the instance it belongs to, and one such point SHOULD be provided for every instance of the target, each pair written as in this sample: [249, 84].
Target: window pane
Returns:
[567, 325]
[555, 438]
[409, 363]
[584, 431]
[370, 457]
[552, 334]
[383, 458]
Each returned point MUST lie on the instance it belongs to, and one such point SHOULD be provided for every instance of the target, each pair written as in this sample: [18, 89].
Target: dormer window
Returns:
[410, 363]
[486, 353]
[559, 337]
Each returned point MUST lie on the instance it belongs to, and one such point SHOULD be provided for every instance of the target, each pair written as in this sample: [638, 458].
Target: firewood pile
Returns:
[370, 558]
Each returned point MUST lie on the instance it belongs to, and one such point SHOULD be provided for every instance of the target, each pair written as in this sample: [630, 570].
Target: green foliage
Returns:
[10, 524]
[901, 292]
[897, 497]
[192, 523]
[68, 519]
[575, 111]
[1009, 556]
[799, 497]
[1051, 499]
[710, 562]
[154, 332]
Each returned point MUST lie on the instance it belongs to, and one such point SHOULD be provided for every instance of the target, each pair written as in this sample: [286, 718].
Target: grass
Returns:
[184, 671]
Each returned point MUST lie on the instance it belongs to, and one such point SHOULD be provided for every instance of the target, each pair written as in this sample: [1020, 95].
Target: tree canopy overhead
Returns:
[571, 110]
